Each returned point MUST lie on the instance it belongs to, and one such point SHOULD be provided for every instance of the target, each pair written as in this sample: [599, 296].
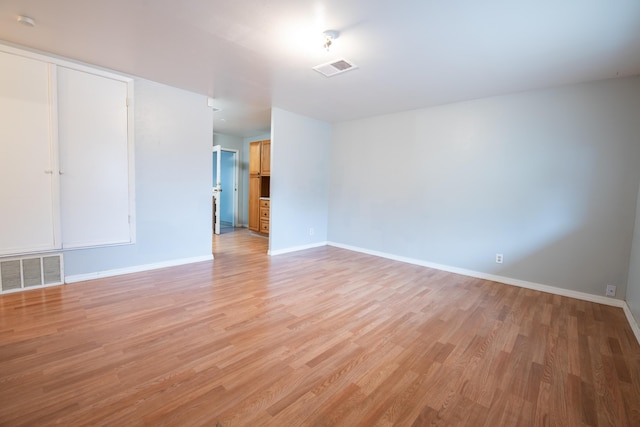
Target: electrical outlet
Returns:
[499, 258]
[311, 231]
[611, 291]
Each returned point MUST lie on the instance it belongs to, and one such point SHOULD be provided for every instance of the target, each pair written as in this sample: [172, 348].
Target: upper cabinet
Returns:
[260, 158]
[265, 156]
[66, 155]
[254, 157]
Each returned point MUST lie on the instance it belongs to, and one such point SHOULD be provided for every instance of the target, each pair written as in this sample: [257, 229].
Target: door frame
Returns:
[236, 177]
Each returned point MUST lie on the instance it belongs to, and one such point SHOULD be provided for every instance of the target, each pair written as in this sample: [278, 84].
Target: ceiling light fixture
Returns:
[211, 104]
[26, 21]
[329, 37]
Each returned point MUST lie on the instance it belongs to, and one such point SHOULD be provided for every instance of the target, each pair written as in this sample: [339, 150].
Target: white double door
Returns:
[65, 164]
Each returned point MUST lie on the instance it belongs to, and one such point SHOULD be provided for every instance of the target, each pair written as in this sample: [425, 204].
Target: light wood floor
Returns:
[323, 337]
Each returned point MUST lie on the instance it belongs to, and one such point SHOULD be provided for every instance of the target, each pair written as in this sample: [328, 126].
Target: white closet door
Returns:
[26, 164]
[94, 165]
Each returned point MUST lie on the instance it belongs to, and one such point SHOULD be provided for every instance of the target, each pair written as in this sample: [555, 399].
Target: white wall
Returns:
[299, 180]
[633, 286]
[547, 178]
[228, 141]
[173, 183]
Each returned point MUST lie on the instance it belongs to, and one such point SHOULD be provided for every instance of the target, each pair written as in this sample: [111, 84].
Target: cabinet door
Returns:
[94, 159]
[254, 203]
[254, 158]
[27, 192]
[265, 165]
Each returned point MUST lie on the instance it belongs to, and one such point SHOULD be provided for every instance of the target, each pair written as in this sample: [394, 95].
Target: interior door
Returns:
[225, 187]
[216, 188]
[228, 187]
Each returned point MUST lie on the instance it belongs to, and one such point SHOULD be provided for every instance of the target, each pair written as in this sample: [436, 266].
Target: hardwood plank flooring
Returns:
[322, 337]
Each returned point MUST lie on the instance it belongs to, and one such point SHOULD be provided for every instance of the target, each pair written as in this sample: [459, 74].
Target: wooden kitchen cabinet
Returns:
[265, 211]
[255, 157]
[254, 206]
[265, 158]
[259, 186]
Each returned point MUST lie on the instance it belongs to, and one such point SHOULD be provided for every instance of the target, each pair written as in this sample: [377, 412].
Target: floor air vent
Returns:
[333, 68]
[30, 271]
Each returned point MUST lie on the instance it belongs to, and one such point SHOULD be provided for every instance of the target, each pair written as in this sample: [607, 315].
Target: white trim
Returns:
[296, 248]
[507, 281]
[476, 274]
[501, 279]
[54, 156]
[51, 58]
[479, 275]
[632, 321]
[131, 144]
[135, 269]
[236, 184]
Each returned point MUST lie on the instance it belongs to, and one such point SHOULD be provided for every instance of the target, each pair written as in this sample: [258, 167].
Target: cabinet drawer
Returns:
[264, 226]
[264, 213]
[264, 203]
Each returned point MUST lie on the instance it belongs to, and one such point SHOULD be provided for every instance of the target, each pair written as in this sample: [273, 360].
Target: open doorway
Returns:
[225, 189]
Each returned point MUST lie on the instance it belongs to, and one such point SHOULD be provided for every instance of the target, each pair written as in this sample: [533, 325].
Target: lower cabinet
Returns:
[254, 203]
[264, 215]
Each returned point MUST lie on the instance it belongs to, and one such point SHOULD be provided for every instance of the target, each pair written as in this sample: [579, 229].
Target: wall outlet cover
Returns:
[611, 291]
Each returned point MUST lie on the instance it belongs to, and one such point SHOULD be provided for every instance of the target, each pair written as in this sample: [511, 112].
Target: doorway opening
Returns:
[225, 189]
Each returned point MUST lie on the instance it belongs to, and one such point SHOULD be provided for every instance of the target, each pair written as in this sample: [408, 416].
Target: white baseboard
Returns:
[632, 321]
[135, 269]
[506, 280]
[296, 248]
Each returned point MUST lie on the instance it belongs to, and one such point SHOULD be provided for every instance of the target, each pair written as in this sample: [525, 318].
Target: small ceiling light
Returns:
[26, 21]
[329, 37]
[211, 104]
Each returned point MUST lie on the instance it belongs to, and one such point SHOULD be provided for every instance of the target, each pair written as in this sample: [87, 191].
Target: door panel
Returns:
[228, 186]
[94, 159]
[254, 204]
[265, 165]
[26, 157]
[216, 189]
[254, 158]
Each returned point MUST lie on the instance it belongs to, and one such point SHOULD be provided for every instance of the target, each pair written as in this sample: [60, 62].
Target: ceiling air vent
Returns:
[333, 68]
